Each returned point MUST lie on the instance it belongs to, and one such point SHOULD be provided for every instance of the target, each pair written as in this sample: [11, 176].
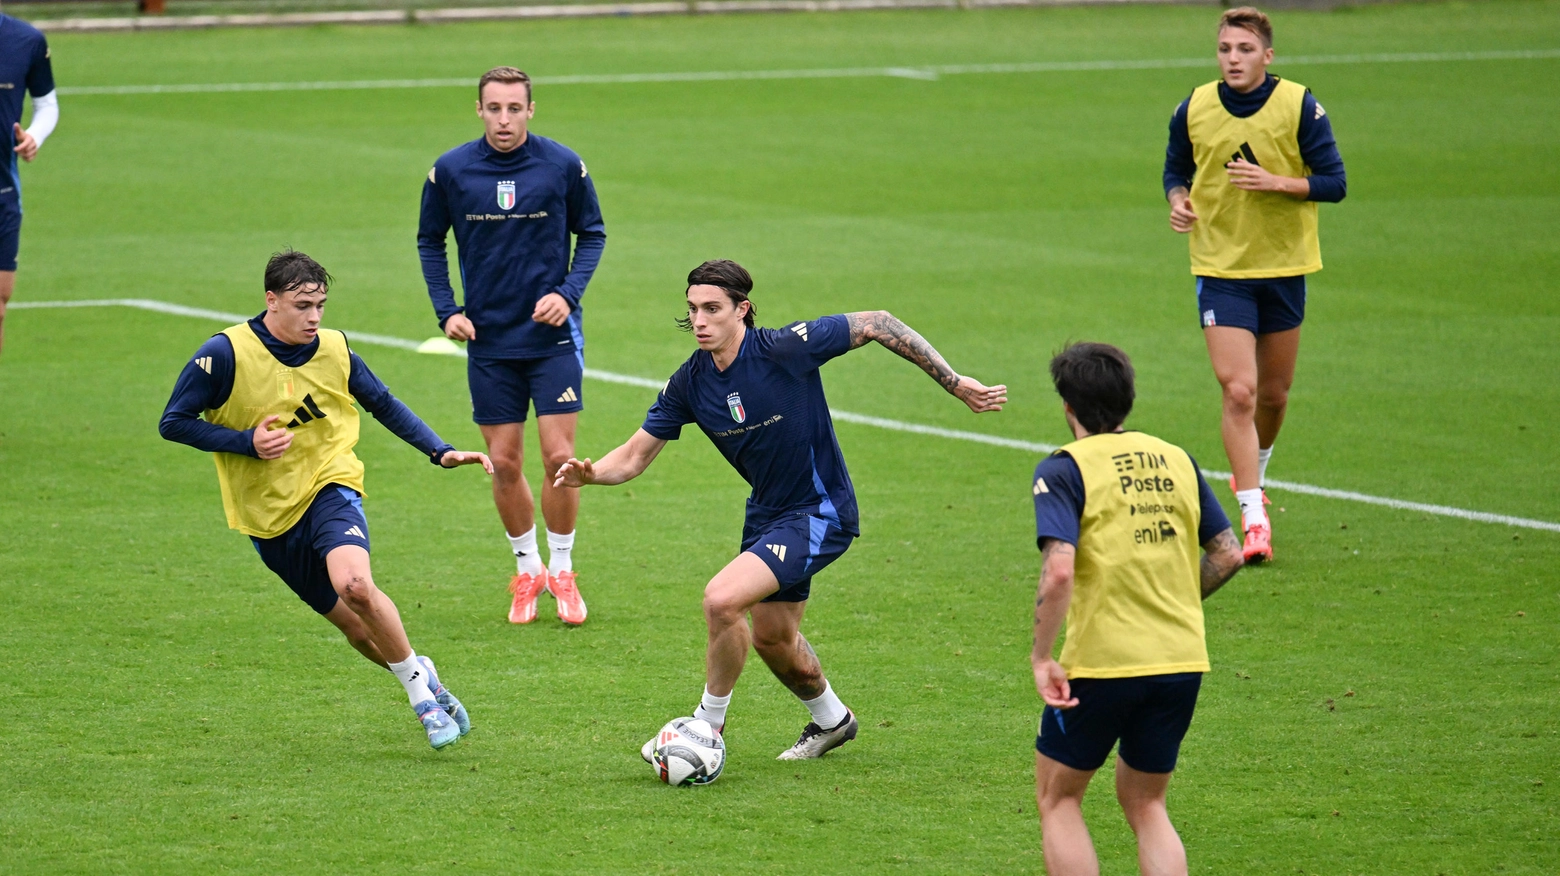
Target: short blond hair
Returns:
[1249, 18]
[506, 75]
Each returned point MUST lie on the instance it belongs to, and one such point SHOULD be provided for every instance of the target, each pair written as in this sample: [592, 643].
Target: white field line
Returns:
[845, 416]
[929, 72]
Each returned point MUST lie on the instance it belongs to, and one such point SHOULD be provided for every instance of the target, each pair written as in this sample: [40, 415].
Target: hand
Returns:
[979, 397]
[575, 473]
[26, 145]
[271, 443]
[1051, 682]
[1181, 214]
[453, 458]
[552, 309]
[459, 328]
[1254, 178]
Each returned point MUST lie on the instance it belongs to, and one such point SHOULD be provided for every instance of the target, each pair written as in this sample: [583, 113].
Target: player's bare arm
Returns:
[891, 332]
[1181, 213]
[1051, 601]
[1255, 178]
[1221, 559]
[623, 464]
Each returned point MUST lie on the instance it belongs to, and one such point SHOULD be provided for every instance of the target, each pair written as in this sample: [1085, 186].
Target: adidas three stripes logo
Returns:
[569, 396]
[778, 550]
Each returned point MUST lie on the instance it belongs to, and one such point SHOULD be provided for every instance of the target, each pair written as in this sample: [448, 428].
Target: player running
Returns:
[513, 199]
[24, 69]
[1115, 512]
[757, 394]
[1252, 227]
[277, 396]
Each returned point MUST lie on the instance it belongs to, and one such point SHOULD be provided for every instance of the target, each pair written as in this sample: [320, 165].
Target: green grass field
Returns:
[1383, 698]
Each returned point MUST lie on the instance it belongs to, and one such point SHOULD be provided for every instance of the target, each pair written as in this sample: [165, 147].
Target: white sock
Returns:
[713, 709]
[827, 710]
[528, 560]
[414, 678]
[560, 552]
[1251, 507]
[1263, 455]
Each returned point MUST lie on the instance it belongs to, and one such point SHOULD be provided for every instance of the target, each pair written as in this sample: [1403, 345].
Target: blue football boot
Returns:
[441, 730]
[446, 699]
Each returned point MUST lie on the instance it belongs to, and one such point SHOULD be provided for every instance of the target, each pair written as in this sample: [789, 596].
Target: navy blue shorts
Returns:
[1149, 714]
[1258, 306]
[502, 389]
[297, 556]
[795, 549]
[10, 232]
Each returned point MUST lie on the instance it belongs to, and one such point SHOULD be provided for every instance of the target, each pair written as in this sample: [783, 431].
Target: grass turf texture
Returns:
[180, 709]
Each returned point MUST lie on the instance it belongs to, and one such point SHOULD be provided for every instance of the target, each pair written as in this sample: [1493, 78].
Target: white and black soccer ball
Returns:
[688, 751]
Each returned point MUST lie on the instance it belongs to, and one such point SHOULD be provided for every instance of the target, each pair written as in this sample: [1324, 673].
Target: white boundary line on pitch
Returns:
[927, 72]
[845, 416]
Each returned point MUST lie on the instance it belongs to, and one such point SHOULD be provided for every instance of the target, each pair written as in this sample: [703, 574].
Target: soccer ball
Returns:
[688, 751]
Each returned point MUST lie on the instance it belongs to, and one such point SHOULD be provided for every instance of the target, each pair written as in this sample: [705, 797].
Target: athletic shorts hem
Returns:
[795, 549]
[505, 390]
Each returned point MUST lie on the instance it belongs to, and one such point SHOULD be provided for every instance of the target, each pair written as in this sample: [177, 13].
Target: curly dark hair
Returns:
[1096, 381]
[290, 270]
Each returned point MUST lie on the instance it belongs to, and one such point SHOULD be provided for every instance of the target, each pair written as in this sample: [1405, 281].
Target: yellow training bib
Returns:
[1240, 234]
[265, 497]
[1137, 589]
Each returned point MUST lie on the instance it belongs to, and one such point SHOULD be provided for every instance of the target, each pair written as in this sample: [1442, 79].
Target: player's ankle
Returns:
[560, 552]
[528, 560]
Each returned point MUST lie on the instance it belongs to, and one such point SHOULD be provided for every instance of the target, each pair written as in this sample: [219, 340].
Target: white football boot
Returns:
[816, 741]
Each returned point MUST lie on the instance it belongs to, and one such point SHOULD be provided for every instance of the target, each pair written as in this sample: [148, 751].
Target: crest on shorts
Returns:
[506, 195]
[734, 402]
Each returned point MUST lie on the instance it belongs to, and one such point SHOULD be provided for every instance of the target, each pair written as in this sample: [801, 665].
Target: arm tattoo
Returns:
[1221, 560]
[1178, 189]
[891, 332]
[1052, 546]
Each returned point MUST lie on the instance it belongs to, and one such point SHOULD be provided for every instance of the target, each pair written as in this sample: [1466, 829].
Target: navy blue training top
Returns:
[199, 390]
[512, 213]
[1058, 512]
[1318, 149]
[24, 67]
[767, 415]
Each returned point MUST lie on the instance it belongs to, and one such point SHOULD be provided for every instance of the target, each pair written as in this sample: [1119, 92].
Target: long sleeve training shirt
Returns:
[1318, 149]
[198, 390]
[512, 213]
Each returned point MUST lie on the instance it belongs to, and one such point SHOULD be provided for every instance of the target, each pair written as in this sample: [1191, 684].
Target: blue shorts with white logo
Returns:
[1149, 714]
[297, 556]
[10, 232]
[1258, 306]
[795, 548]
[503, 389]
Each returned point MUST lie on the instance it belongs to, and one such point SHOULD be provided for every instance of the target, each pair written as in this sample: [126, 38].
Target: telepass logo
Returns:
[506, 195]
[734, 402]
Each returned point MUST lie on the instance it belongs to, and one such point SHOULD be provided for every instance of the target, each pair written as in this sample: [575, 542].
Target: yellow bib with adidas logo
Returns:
[266, 497]
[1137, 587]
[1249, 235]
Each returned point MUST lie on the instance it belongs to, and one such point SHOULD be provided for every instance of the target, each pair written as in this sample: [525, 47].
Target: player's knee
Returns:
[358, 593]
[554, 458]
[1240, 396]
[506, 466]
[1273, 397]
[721, 609]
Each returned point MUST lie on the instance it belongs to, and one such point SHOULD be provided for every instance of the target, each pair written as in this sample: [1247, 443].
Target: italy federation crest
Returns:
[734, 402]
[506, 195]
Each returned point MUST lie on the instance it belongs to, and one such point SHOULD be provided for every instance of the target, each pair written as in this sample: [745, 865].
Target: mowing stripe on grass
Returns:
[930, 71]
[844, 416]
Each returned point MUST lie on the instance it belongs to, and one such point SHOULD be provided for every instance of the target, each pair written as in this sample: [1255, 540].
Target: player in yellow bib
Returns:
[1249, 157]
[1119, 517]
[272, 400]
